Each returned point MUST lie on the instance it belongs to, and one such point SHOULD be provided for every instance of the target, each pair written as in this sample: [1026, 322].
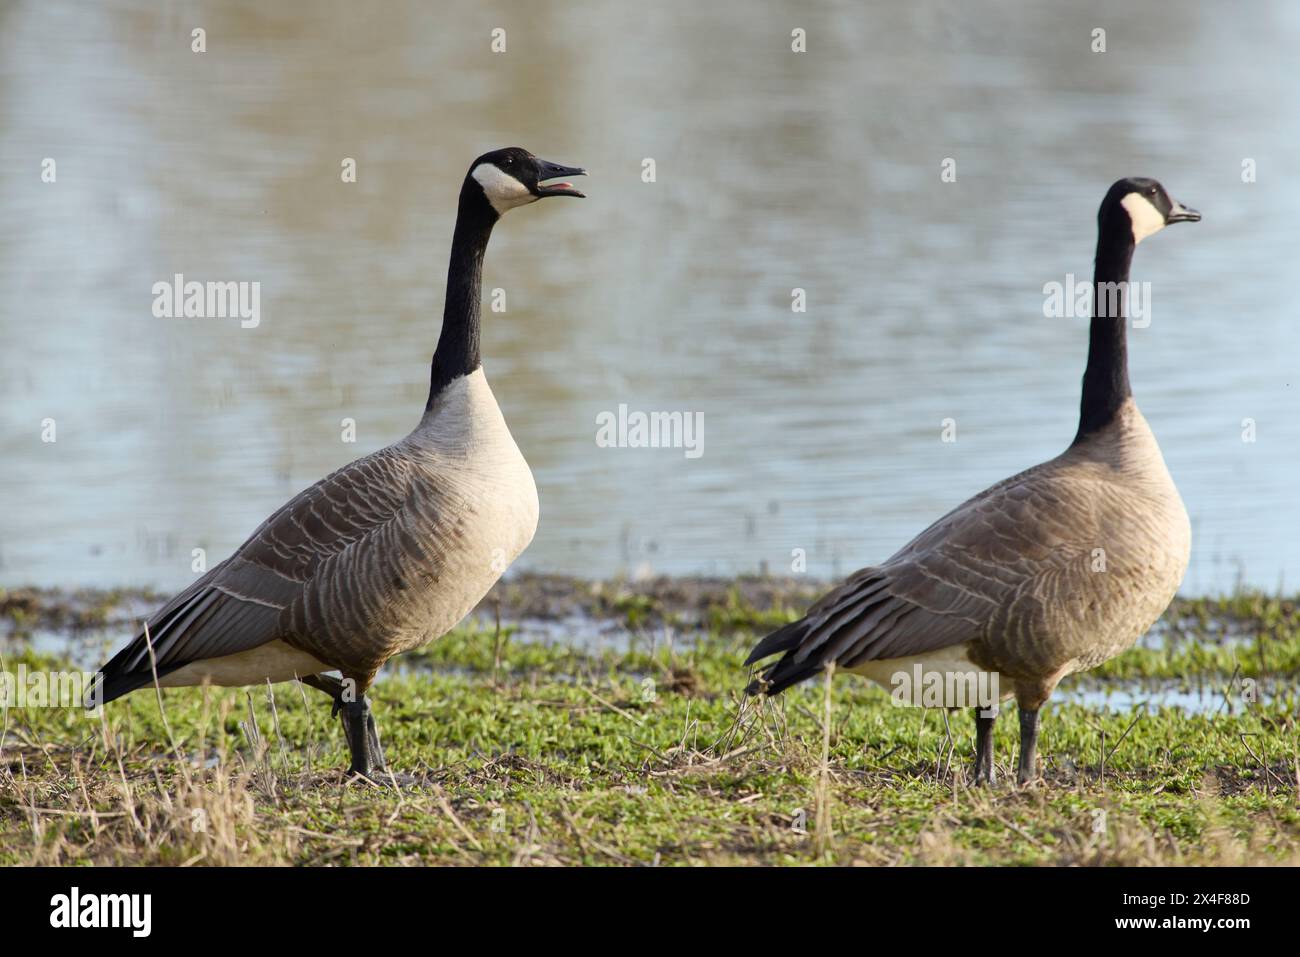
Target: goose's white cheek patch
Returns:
[1145, 217]
[502, 190]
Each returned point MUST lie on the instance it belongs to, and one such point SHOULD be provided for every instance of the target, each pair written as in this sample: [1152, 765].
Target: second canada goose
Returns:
[390, 551]
[1047, 573]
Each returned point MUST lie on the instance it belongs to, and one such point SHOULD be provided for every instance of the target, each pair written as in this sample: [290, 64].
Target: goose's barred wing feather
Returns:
[240, 603]
[982, 566]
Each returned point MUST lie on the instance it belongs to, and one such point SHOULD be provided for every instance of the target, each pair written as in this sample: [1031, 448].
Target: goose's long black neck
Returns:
[1105, 380]
[458, 344]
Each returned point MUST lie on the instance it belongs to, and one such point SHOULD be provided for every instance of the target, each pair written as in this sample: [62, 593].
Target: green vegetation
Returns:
[508, 751]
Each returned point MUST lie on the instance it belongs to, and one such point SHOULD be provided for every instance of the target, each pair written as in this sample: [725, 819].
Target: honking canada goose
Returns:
[1047, 573]
[386, 553]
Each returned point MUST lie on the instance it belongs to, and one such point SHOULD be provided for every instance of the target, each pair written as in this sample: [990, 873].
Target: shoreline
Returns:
[688, 600]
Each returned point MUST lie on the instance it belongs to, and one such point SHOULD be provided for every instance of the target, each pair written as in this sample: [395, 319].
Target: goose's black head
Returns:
[515, 177]
[1141, 207]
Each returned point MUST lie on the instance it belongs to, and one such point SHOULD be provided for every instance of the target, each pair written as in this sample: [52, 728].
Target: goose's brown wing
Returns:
[240, 603]
[985, 565]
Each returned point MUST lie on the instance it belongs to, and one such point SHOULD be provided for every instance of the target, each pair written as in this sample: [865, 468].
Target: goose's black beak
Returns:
[548, 170]
[1181, 214]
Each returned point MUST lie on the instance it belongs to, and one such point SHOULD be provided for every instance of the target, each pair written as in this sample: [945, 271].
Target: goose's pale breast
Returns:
[482, 503]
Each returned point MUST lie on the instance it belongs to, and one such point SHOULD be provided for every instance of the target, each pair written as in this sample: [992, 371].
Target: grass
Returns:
[526, 753]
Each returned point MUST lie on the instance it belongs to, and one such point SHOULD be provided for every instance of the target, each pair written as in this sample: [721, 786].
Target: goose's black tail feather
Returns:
[787, 671]
[114, 680]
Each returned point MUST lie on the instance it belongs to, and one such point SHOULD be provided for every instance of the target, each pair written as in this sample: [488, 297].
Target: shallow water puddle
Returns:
[1222, 696]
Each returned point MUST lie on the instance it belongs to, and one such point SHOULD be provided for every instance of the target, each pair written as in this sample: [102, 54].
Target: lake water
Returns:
[774, 171]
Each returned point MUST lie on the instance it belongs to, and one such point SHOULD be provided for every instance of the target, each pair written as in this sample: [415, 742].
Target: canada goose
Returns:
[1048, 572]
[387, 553]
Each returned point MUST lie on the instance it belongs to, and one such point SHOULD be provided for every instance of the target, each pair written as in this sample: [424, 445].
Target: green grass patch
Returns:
[524, 753]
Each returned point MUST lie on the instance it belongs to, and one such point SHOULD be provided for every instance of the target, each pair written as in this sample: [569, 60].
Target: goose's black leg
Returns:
[358, 726]
[984, 773]
[372, 736]
[1028, 770]
[363, 738]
